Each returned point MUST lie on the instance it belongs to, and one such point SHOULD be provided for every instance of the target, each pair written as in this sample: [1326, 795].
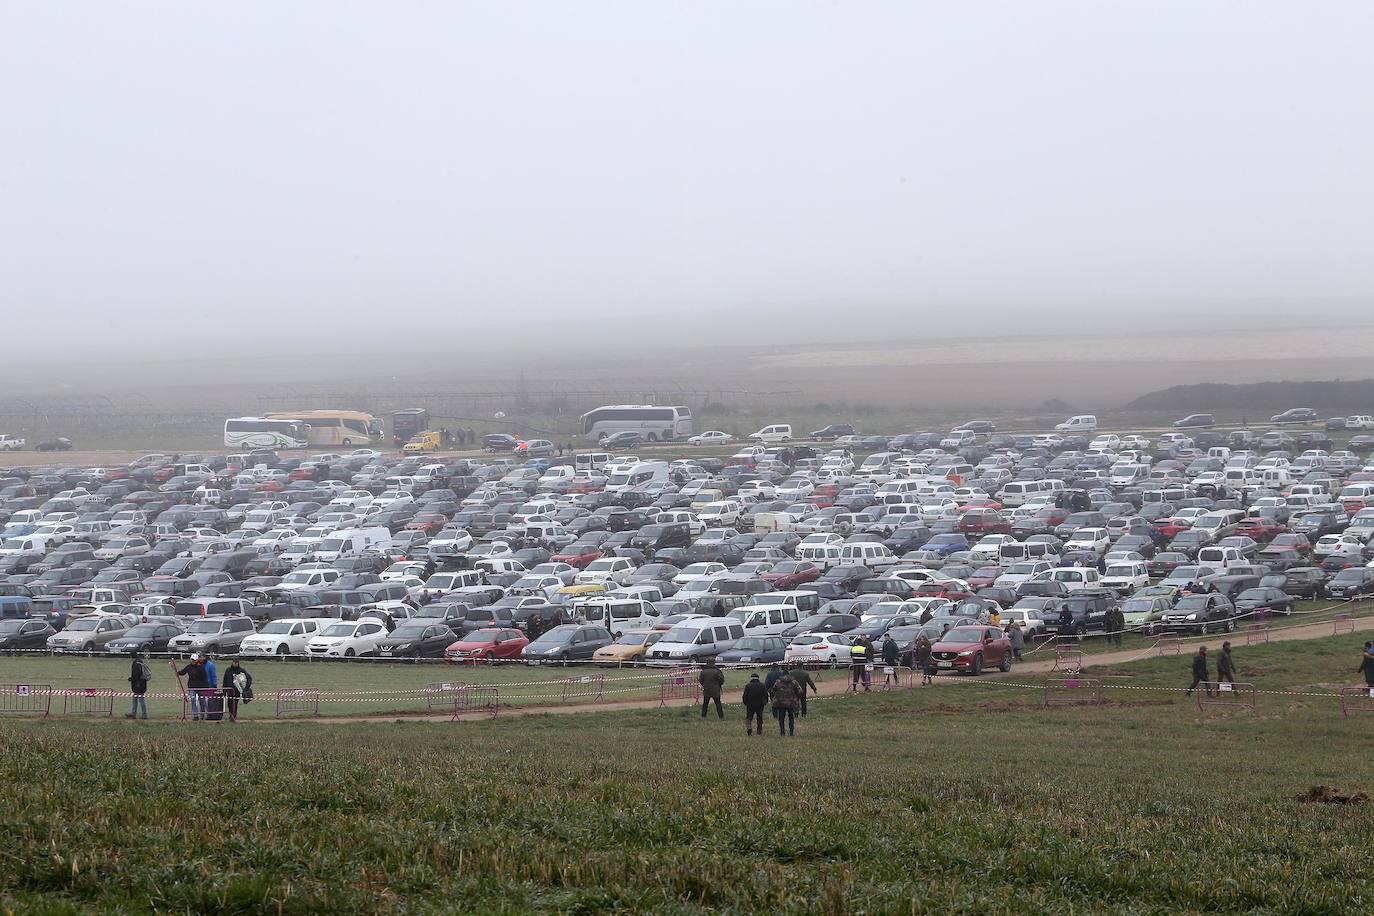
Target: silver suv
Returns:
[215, 635]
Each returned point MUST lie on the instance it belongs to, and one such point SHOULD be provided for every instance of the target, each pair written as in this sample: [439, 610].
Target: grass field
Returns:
[959, 799]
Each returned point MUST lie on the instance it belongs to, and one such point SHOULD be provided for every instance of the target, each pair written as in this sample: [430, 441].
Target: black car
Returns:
[412, 639]
[1200, 614]
[60, 444]
[1304, 582]
[1195, 420]
[20, 633]
[755, 650]
[821, 623]
[569, 642]
[1353, 582]
[1265, 598]
[1089, 612]
[499, 442]
[146, 637]
[834, 431]
[1295, 415]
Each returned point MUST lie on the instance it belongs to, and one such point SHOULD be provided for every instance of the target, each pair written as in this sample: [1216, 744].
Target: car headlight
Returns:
[1191, 617]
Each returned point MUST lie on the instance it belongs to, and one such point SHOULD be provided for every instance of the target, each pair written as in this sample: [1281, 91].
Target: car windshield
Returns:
[145, 629]
[201, 627]
[10, 626]
[962, 636]
[340, 629]
[278, 626]
[632, 639]
[1192, 603]
[1349, 575]
[682, 634]
[85, 625]
[409, 632]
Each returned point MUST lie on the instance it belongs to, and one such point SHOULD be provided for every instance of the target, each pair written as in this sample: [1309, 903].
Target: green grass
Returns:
[941, 800]
[389, 682]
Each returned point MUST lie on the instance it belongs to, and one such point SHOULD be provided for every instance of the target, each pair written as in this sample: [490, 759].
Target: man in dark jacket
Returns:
[755, 698]
[1200, 675]
[1226, 668]
[803, 679]
[197, 686]
[785, 704]
[774, 673]
[892, 657]
[238, 685]
[1065, 621]
[920, 653]
[138, 686]
[1367, 664]
[712, 679]
[1017, 639]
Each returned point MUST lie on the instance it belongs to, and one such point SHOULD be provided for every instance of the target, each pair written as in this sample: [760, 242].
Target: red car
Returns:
[792, 574]
[486, 646]
[1261, 528]
[984, 521]
[984, 576]
[578, 555]
[1170, 527]
[981, 502]
[430, 523]
[971, 649]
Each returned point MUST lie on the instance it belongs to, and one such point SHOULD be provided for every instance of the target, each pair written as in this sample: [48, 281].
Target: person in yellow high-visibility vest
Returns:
[858, 658]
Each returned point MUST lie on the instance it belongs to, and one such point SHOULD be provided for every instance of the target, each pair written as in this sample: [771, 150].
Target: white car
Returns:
[711, 437]
[721, 513]
[698, 572]
[1029, 624]
[773, 433]
[307, 578]
[1338, 545]
[615, 570]
[347, 639]
[832, 648]
[1125, 578]
[288, 636]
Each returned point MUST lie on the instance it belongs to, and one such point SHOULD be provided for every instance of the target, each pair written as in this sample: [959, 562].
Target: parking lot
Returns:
[688, 544]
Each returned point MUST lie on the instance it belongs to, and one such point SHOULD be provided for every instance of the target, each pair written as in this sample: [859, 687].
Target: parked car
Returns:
[971, 649]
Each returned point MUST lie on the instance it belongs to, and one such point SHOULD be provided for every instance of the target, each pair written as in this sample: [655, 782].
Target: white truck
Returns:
[10, 443]
[350, 542]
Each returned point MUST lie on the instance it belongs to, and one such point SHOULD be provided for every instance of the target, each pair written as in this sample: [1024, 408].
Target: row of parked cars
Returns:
[768, 549]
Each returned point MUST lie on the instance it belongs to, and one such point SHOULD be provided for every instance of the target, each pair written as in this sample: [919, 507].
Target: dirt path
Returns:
[836, 683]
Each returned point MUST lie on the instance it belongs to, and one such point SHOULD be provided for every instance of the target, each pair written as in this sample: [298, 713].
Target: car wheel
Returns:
[489, 659]
[653, 437]
[1230, 624]
[212, 649]
[89, 647]
[283, 649]
[978, 664]
[349, 653]
[1006, 662]
[348, 442]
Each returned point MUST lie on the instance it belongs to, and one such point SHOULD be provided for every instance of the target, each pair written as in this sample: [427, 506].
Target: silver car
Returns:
[87, 634]
[214, 635]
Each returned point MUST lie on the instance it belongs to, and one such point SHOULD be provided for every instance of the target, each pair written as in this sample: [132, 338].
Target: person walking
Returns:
[754, 698]
[1226, 666]
[1367, 664]
[785, 704]
[712, 680]
[870, 654]
[857, 659]
[139, 676]
[774, 673]
[1200, 673]
[1017, 639]
[892, 657]
[803, 679]
[238, 685]
[1065, 621]
[921, 654]
[197, 686]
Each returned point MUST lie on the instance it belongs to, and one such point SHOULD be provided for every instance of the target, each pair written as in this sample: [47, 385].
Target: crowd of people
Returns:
[208, 696]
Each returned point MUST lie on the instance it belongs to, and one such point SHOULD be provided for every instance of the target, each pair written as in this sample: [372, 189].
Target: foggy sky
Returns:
[198, 175]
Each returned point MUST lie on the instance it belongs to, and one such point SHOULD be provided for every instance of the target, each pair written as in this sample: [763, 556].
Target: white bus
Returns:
[653, 423]
[336, 427]
[260, 432]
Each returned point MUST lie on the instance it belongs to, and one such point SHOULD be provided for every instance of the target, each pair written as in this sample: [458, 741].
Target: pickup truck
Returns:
[10, 443]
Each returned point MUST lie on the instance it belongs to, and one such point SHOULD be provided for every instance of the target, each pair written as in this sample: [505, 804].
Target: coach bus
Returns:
[261, 432]
[653, 423]
[336, 427]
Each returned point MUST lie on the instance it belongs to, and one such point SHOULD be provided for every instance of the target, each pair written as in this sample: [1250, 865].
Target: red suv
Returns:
[971, 649]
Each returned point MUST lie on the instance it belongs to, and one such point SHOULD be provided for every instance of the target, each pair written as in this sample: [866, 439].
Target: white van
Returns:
[637, 475]
[1075, 578]
[19, 545]
[1023, 551]
[350, 542]
[1080, 424]
[721, 514]
[619, 615]
[776, 432]
[875, 556]
[1220, 559]
[765, 620]
[695, 640]
[591, 462]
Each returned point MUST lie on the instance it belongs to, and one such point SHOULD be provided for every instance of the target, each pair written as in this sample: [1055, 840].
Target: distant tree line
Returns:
[1334, 395]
